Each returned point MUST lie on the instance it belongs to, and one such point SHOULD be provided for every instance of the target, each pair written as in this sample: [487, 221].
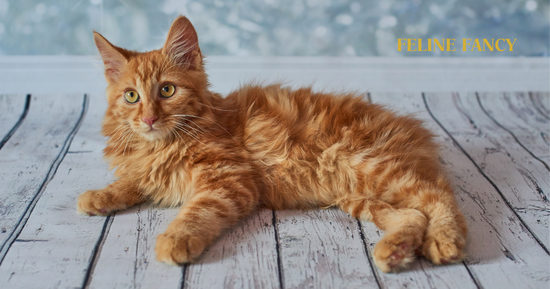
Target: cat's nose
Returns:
[150, 120]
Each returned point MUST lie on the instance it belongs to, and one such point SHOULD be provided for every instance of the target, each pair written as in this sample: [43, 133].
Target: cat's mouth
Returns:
[152, 133]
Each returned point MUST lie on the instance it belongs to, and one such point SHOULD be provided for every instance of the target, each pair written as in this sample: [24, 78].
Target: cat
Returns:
[175, 143]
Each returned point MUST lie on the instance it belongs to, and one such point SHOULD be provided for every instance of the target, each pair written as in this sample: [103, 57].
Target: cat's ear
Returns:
[113, 59]
[182, 44]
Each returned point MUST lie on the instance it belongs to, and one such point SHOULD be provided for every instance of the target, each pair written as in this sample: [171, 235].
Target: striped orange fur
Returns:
[220, 158]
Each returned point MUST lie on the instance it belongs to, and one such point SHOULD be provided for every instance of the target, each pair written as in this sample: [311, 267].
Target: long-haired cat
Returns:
[175, 143]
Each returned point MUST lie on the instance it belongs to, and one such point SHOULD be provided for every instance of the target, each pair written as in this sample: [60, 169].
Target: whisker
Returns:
[114, 141]
[220, 108]
[193, 128]
[198, 126]
[120, 127]
[176, 132]
[184, 115]
[183, 125]
[186, 132]
[126, 136]
[194, 133]
[106, 120]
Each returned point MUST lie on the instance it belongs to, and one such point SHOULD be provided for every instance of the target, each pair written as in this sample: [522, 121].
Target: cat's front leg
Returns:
[221, 198]
[119, 195]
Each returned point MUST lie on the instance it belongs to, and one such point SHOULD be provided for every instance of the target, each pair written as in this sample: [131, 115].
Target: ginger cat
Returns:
[175, 143]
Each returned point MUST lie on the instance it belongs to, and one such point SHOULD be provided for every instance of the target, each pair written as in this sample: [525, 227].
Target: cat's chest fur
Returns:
[163, 173]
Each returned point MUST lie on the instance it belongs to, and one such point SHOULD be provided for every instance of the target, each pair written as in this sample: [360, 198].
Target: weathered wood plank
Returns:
[13, 109]
[501, 251]
[521, 179]
[244, 257]
[322, 249]
[541, 101]
[127, 257]
[55, 248]
[29, 159]
[516, 113]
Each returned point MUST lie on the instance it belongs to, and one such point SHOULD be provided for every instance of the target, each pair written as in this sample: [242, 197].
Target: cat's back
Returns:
[302, 123]
[297, 114]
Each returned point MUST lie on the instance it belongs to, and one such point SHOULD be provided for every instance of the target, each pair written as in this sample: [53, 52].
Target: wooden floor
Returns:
[495, 147]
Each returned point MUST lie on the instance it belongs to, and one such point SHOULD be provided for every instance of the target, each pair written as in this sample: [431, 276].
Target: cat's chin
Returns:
[153, 135]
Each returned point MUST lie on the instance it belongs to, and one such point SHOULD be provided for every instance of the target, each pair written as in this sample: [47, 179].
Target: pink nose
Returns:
[150, 120]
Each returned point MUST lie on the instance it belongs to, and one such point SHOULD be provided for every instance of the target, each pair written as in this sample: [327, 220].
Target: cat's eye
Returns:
[131, 96]
[167, 90]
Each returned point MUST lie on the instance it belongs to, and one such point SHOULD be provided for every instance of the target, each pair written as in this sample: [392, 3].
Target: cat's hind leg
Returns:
[447, 230]
[404, 230]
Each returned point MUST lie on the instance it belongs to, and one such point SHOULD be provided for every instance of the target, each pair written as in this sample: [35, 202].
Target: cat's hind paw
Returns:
[445, 240]
[391, 257]
[176, 249]
[443, 249]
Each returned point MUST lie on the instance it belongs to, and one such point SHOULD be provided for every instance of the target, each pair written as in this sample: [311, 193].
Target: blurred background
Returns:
[274, 27]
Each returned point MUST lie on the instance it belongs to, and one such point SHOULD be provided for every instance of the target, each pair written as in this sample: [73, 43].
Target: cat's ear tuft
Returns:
[112, 58]
[182, 44]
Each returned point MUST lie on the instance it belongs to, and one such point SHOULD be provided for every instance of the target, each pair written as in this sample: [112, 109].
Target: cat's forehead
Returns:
[147, 66]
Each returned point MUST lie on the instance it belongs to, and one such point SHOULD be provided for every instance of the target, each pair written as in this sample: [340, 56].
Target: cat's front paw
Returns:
[176, 249]
[96, 202]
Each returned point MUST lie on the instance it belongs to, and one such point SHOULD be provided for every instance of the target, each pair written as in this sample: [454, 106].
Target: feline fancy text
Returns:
[448, 44]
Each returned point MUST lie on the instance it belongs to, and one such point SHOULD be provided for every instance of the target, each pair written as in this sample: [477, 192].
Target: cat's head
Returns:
[149, 93]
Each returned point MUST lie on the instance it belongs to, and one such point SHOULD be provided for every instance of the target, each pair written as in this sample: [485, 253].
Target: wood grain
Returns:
[322, 249]
[12, 112]
[127, 258]
[244, 257]
[541, 101]
[501, 251]
[520, 178]
[516, 113]
[29, 160]
[56, 245]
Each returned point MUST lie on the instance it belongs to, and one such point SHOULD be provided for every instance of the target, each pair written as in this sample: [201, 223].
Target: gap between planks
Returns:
[510, 132]
[490, 180]
[49, 176]
[18, 123]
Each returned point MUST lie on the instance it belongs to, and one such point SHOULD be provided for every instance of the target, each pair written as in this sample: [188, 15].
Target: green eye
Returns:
[167, 90]
[131, 96]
